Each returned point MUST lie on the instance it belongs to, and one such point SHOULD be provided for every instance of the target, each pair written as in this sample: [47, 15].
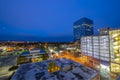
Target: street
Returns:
[5, 63]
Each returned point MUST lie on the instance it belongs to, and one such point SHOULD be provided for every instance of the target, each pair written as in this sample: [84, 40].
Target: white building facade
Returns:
[96, 46]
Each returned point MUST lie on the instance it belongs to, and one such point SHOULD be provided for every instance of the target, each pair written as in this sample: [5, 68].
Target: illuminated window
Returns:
[115, 68]
[115, 45]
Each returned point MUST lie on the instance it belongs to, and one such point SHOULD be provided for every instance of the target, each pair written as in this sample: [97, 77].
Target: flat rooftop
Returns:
[39, 71]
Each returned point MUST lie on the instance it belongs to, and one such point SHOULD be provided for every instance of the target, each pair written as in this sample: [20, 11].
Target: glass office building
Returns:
[82, 27]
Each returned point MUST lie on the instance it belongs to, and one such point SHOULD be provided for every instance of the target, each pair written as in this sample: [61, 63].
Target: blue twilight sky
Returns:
[53, 19]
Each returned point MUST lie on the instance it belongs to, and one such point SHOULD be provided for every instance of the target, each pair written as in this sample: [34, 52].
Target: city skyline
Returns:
[35, 20]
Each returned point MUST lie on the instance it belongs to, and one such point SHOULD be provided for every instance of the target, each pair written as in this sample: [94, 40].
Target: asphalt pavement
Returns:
[5, 63]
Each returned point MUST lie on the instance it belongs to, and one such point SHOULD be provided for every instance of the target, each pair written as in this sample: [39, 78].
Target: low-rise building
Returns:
[39, 71]
[34, 55]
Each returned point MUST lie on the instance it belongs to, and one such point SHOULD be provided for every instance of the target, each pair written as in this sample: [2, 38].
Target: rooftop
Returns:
[25, 53]
[83, 20]
[35, 49]
[39, 71]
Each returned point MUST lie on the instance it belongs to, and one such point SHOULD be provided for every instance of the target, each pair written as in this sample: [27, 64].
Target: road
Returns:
[5, 63]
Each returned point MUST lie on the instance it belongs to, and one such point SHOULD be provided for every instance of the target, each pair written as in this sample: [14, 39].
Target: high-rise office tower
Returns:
[82, 27]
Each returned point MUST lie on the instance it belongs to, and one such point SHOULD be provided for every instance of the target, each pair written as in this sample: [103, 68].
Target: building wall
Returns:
[96, 46]
[104, 48]
[115, 52]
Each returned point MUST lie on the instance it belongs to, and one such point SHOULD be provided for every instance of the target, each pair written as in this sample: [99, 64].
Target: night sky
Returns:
[42, 20]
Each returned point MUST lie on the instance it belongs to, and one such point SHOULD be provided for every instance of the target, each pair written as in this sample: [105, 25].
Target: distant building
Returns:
[82, 27]
[104, 31]
[34, 55]
[23, 58]
[35, 51]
